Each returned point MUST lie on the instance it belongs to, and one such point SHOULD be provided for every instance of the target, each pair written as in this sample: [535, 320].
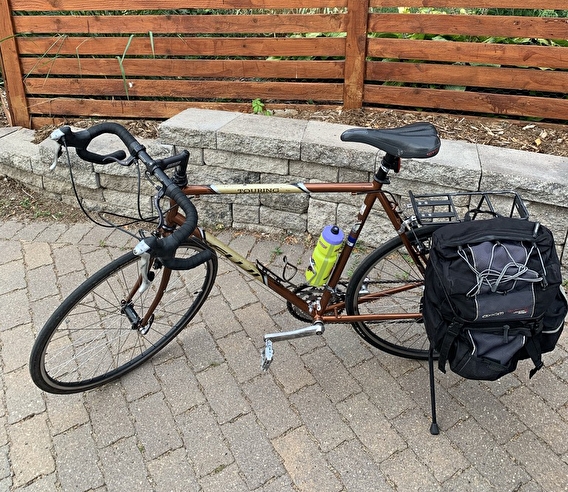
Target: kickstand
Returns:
[434, 429]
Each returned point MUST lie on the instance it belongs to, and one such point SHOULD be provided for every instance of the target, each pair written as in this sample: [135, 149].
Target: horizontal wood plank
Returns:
[468, 76]
[474, 102]
[119, 5]
[503, 4]
[133, 67]
[60, 110]
[186, 89]
[180, 46]
[471, 25]
[85, 107]
[180, 24]
[486, 53]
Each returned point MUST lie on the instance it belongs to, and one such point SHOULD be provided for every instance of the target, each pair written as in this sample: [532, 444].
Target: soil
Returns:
[21, 203]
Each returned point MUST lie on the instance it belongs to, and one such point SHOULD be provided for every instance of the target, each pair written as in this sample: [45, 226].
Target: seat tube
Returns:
[352, 238]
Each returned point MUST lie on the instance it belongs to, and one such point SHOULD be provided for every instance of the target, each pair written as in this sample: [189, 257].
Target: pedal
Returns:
[267, 354]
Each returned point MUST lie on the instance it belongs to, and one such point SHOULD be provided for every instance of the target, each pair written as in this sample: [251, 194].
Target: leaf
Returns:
[257, 106]
[124, 81]
[151, 34]
[127, 46]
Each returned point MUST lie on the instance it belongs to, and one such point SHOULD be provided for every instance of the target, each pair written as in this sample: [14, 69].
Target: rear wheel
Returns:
[93, 338]
[389, 282]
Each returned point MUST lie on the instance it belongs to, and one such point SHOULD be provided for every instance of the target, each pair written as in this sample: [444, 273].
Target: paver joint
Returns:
[332, 414]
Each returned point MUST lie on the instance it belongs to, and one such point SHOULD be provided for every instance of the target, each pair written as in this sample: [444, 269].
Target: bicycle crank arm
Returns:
[268, 352]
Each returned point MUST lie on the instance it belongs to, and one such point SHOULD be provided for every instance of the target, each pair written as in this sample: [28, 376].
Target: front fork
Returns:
[145, 279]
[146, 275]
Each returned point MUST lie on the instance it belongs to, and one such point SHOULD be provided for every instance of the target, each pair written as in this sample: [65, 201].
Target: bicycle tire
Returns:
[389, 267]
[89, 341]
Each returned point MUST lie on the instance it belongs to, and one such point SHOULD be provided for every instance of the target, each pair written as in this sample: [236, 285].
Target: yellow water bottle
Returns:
[324, 256]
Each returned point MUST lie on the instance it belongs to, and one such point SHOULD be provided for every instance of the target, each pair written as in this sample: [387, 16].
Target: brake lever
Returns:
[58, 153]
[56, 135]
[125, 162]
[143, 251]
[157, 197]
[146, 277]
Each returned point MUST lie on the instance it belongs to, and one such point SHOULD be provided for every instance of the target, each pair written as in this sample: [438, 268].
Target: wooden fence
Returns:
[62, 59]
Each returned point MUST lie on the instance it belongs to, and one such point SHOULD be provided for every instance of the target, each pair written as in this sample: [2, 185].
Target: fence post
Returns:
[355, 53]
[17, 110]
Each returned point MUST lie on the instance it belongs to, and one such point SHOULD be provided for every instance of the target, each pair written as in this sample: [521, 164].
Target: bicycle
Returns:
[133, 307]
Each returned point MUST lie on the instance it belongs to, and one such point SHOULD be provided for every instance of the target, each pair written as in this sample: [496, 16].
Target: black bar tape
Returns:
[81, 140]
[166, 254]
[99, 158]
[166, 247]
[187, 263]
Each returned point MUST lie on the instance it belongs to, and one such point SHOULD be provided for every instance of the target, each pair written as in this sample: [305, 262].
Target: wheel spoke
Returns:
[89, 340]
[389, 282]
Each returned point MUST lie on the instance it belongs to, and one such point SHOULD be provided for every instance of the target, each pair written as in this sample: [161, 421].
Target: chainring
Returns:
[311, 294]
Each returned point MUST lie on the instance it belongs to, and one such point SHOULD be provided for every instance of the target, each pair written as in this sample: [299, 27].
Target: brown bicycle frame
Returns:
[373, 192]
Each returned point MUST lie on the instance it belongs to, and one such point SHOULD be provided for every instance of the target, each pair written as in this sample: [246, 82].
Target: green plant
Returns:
[120, 63]
[277, 251]
[38, 214]
[258, 107]
[25, 203]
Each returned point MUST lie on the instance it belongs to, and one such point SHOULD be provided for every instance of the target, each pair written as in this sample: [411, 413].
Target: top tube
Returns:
[265, 188]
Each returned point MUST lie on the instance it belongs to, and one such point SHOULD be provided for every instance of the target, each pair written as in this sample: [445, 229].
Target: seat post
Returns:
[388, 163]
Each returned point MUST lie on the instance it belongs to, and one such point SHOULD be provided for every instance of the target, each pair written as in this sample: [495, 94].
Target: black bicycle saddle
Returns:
[418, 140]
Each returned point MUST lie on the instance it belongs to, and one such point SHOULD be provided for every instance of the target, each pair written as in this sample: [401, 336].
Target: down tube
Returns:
[250, 268]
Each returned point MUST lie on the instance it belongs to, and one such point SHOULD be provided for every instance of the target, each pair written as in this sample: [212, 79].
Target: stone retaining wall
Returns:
[230, 147]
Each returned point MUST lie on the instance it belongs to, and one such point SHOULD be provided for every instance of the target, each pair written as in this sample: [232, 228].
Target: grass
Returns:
[30, 207]
[18, 202]
[276, 252]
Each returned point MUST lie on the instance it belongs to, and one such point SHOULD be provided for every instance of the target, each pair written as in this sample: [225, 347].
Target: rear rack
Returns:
[459, 206]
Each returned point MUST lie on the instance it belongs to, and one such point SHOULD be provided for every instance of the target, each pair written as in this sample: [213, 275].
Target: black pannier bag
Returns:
[492, 296]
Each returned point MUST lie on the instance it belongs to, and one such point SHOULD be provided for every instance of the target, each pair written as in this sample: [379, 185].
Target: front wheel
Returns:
[96, 335]
[388, 282]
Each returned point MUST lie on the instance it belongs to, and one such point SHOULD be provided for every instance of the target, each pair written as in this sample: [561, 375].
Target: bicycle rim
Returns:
[389, 282]
[89, 340]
